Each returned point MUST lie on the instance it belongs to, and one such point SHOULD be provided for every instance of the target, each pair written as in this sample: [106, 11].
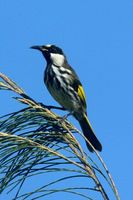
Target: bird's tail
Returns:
[89, 134]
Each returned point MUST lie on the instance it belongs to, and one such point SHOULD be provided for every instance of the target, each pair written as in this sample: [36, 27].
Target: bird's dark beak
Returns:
[36, 47]
[40, 48]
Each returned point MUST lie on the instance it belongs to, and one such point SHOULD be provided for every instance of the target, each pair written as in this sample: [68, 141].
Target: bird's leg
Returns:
[56, 107]
[52, 107]
[61, 119]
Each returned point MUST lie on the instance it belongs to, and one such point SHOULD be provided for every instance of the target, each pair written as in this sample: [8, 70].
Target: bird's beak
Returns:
[40, 48]
[36, 47]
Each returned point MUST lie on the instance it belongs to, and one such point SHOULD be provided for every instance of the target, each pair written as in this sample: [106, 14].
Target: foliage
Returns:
[35, 141]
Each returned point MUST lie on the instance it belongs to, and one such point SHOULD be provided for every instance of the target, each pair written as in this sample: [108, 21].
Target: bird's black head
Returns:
[50, 52]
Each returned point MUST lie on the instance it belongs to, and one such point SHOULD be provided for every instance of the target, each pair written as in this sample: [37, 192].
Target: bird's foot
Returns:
[62, 119]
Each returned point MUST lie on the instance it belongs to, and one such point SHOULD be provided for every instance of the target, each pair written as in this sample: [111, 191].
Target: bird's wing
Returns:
[77, 85]
[79, 89]
[81, 94]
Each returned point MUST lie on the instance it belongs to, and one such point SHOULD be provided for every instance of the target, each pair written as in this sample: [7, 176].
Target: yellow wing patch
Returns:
[81, 94]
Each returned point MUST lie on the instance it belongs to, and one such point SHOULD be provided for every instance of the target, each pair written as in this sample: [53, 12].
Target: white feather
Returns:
[48, 45]
[56, 71]
[57, 59]
[58, 75]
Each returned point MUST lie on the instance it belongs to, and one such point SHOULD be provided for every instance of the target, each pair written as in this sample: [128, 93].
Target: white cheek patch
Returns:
[57, 59]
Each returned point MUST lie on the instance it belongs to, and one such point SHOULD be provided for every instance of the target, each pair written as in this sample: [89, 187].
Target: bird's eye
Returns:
[53, 49]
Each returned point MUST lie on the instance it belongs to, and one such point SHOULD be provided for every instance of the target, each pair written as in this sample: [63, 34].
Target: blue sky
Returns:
[97, 37]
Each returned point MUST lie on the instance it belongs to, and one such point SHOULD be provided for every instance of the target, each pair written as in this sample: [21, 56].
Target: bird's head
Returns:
[52, 54]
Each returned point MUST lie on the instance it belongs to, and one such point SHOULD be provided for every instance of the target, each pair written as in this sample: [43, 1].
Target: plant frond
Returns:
[35, 141]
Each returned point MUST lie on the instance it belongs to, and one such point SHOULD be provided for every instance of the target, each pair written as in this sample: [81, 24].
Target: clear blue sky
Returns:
[97, 37]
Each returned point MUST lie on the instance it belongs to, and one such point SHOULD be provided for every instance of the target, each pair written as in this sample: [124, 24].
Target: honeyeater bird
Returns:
[64, 85]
